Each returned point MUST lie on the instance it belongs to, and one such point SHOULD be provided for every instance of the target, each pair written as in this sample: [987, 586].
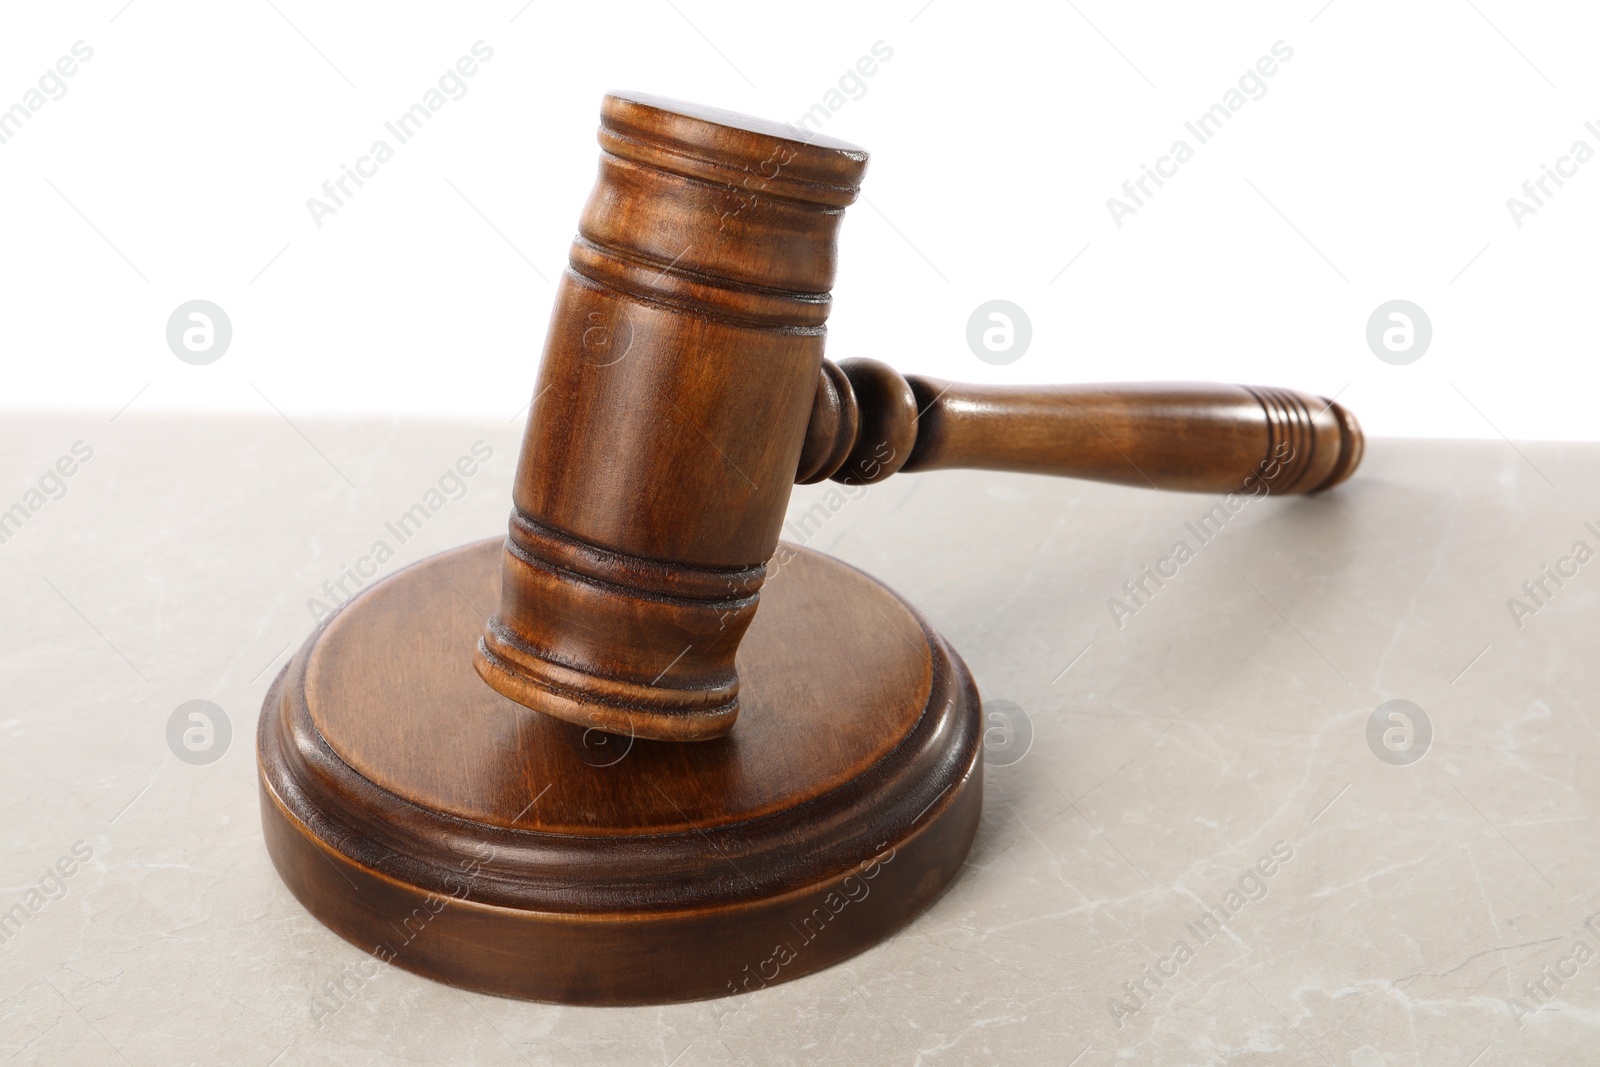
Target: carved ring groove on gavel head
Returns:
[683, 390]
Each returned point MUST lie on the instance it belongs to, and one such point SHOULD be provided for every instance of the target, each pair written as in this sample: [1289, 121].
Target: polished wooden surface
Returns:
[832, 784]
[683, 390]
[869, 422]
[376, 684]
[678, 376]
[431, 821]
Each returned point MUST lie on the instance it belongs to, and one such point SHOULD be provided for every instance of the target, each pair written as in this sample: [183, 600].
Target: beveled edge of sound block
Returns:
[606, 919]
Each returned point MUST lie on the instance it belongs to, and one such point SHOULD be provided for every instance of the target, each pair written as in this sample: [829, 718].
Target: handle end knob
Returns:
[1352, 445]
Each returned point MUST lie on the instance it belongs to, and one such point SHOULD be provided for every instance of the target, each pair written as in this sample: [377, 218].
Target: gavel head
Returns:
[679, 375]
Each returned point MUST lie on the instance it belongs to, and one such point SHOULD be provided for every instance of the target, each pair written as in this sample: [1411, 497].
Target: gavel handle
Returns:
[869, 422]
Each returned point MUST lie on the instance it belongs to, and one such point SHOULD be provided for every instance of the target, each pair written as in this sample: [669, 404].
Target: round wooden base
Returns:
[448, 830]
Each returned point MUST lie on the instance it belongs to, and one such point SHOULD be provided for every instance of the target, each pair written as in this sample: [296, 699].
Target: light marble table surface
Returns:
[1149, 765]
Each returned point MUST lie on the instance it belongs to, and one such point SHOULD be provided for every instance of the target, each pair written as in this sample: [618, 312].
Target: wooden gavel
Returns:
[683, 391]
[432, 821]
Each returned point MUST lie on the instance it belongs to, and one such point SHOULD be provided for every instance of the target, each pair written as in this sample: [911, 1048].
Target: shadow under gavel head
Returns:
[683, 391]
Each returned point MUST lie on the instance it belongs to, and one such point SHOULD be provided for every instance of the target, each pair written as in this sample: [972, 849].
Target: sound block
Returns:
[448, 830]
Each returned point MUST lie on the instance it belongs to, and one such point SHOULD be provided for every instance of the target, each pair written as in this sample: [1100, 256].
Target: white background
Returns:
[1377, 166]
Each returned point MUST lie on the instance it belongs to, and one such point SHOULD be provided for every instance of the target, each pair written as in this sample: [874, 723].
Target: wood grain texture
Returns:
[585, 855]
[683, 391]
[678, 376]
[869, 422]
[431, 821]
[376, 679]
